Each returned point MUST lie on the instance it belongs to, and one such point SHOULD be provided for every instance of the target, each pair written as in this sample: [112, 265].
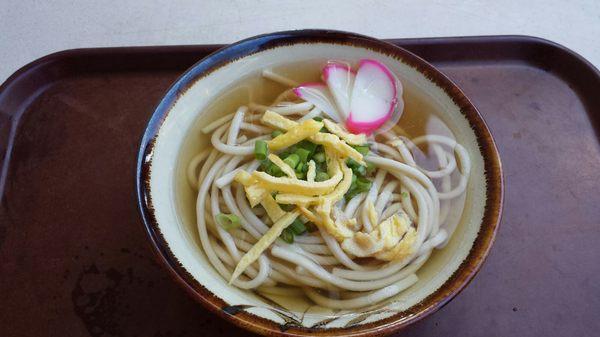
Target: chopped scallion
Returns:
[319, 157]
[352, 163]
[308, 145]
[360, 170]
[321, 176]
[370, 168]
[228, 221]
[359, 185]
[297, 227]
[303, 154]
[261, 150]
[292, 160]
[363, 184]
[287, 235]
[304, 167]
[362, 149]
[265, 164]
[274, 170]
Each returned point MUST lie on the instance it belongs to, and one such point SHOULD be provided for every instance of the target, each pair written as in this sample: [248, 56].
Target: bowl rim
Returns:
[457, 281]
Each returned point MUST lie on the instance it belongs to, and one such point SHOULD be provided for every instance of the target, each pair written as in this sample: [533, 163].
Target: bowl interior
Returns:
[179, 138]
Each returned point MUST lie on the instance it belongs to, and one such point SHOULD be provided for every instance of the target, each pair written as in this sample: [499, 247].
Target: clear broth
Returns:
[420, 117]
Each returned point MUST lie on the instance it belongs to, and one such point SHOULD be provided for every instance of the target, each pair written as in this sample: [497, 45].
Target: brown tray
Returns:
[74, 259]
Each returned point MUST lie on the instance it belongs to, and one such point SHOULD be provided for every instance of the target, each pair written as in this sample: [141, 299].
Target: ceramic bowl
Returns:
[167, 204]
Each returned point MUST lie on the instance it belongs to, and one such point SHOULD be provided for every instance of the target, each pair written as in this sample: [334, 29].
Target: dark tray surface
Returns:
[73, 254]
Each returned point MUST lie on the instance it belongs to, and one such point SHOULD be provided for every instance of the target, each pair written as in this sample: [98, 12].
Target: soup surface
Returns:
[356, 221]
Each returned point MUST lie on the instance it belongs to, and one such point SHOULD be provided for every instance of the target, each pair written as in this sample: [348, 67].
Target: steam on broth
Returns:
[290, 203]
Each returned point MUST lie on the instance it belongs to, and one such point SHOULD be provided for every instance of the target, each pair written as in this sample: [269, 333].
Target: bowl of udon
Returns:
[319, 183]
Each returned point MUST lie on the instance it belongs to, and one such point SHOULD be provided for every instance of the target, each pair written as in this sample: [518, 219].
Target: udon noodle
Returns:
[316, 263]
